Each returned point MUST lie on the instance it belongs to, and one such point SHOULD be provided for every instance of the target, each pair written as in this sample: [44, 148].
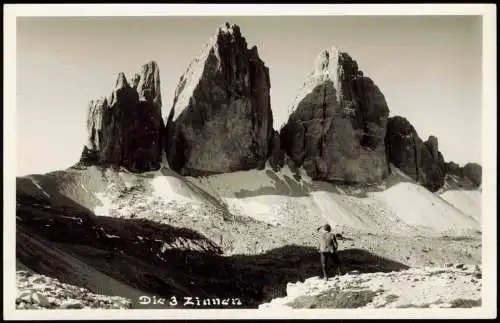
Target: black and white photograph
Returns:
[249, 161]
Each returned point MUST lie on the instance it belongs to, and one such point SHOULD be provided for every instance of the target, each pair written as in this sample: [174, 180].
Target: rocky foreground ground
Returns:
[183, 247]
[449, 286]
[419, 287]
[41, 292]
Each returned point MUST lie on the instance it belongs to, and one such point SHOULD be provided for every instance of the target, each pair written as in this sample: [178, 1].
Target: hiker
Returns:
[328, 246]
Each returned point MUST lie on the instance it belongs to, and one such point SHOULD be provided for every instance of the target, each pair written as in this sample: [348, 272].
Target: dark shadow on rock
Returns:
[163, 260]
[31, 194]
[269, 273]
[286, 186]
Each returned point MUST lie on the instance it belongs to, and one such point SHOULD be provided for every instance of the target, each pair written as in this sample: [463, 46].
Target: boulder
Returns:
[336, 124]
[126, 129]
[40, 299]
[221, 119]
[72, 304]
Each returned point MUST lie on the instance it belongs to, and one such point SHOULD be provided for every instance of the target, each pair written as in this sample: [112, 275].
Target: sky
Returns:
[429, 69]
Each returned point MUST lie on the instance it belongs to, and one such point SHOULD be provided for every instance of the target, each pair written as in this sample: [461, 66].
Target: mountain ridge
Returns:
[338, 127]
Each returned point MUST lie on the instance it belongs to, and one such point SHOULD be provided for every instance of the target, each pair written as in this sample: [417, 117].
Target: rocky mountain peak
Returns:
[135, 80]
[221, 120]
[127, 129]
[148, 86]
[121, 82]
[336, 123]
[467, 177]
[420, 160]
[327, 62]
[228, 29]
[432, 143]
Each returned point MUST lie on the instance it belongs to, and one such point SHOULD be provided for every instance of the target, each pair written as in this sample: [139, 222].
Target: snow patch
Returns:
[417, 206]
[335, 212]
[257, 208]
[164, 161]
[272, 197]
[171, 188]
[106, 207]
[232, 184]
[34, 181]
[160, 257]
[467, 201]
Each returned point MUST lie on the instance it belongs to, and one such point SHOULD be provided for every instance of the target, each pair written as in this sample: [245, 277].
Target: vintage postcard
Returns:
[249, 161]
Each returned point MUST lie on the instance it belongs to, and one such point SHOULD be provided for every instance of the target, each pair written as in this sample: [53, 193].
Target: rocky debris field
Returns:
[41, 292]
[196, 244]
[450, 286]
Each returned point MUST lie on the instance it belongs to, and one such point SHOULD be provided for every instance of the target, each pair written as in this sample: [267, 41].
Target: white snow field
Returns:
[468, 201]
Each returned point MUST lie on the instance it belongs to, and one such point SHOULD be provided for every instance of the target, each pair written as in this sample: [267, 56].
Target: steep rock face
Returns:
[221, 119]
[337, 123]
[469, 176]
[453, 168]
[456, 178]
[431, 165]
[420, 160]
[126, 129]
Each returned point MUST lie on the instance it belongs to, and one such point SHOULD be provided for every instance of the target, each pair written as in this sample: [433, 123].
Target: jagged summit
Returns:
[148, 86]
[228, 28]
[326, 62]
[421, 160]
[126, 129]
[330, 64]
[135, 80]
[225, 33]
[121, 81]
[221, 120]
[336, 124]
